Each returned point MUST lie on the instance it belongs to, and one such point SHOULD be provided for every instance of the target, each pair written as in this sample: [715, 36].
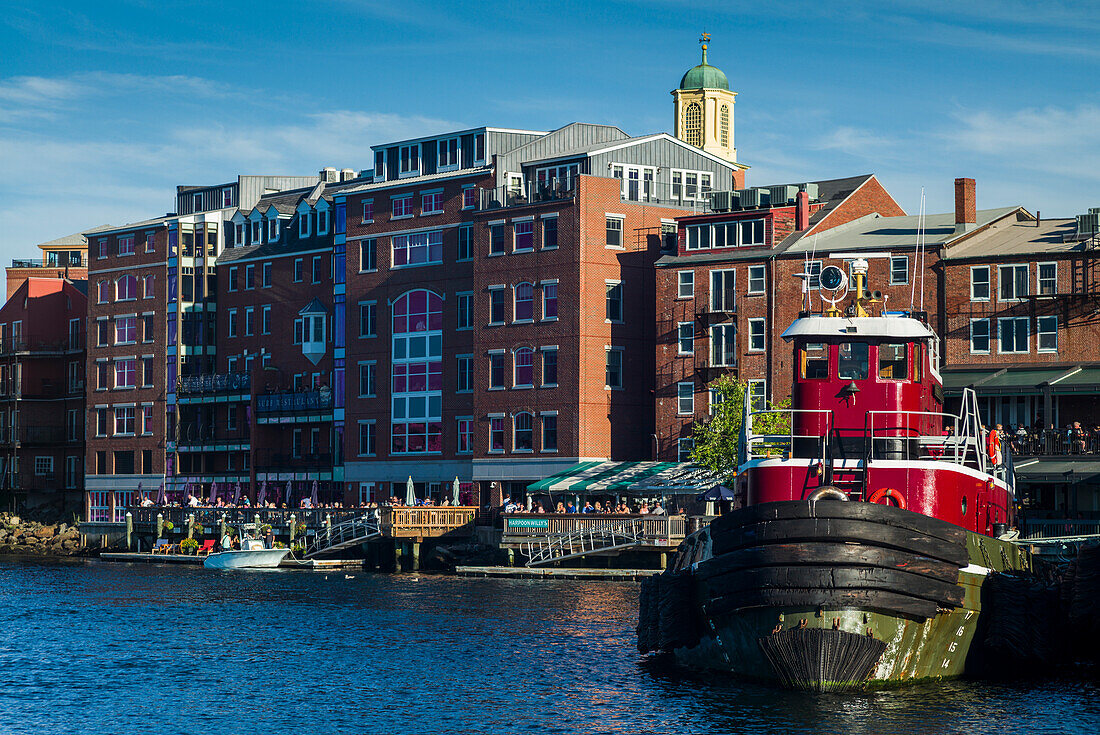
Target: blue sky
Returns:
[106, 106]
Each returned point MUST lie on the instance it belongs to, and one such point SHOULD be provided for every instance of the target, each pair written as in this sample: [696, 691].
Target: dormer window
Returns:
[273, 229]
[409, 160]
[196, 203]
[379, 165]
[255, 232]
[322, 221]
[479, 148]
[227, 196]
[303, 224]
[240, 234]
[449, 154]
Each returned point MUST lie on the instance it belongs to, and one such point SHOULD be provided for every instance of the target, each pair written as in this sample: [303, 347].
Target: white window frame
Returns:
[763, 334]
[617, 287]
[894, 281]
[303, 224]
[1013, 267]
[988, 282]
[403, 159]
[1039, 332]
[685, 398]
[1000, 334]
[443, 143]
[681, 336]
[762, 278]
[681, 282]
[758, 391]
[1039, 279]
[988, 337]
[680, 176]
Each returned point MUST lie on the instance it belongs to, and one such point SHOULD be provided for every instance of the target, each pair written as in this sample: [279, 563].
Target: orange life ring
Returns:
[887, 492]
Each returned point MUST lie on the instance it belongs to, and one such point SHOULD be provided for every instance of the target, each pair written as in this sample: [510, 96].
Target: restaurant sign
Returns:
[529, 523]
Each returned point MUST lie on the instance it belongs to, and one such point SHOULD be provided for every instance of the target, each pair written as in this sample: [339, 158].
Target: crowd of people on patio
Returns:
[1037, 440]
[620, 507]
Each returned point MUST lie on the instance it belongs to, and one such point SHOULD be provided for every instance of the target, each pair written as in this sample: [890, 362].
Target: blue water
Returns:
[88, 646]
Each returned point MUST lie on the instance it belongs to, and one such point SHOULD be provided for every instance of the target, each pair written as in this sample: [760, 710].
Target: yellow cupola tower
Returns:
[704, 109]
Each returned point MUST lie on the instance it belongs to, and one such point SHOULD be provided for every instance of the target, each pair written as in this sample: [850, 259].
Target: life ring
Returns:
[887, 492]
[827, 492]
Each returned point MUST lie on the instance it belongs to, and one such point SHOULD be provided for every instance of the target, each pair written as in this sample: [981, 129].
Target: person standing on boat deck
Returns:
[995, 446]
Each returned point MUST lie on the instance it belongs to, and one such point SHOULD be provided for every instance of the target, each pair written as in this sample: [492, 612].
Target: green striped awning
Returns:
[628, 477]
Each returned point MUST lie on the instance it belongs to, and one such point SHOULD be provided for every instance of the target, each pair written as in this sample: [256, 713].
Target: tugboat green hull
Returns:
[828, 596]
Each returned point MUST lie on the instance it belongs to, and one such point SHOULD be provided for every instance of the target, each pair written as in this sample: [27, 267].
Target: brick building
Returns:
[42, 393]
[505, 277]
[727, 290]
[65, 257]
[153, 316]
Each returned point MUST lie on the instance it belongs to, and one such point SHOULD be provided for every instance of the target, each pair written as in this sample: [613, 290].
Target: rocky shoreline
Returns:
[22, 536]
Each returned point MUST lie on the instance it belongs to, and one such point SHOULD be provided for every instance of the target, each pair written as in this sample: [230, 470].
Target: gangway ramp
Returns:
[582, 542]
[344, 535]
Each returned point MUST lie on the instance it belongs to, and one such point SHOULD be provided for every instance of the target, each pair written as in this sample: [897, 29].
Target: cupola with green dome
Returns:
[704, 76]
[704, 108]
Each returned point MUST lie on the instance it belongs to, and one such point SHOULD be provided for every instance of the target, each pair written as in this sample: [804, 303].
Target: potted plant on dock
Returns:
[188, 545]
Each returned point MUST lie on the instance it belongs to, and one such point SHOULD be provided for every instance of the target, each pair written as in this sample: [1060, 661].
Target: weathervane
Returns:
[704, 40]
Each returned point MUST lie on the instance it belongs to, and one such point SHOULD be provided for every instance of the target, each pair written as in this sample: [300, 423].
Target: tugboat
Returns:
[863, 534]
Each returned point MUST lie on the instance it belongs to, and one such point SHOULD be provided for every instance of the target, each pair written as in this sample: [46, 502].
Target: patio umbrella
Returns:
[454, 491]
[262, 498]
[213, 492]
[162, 496]
[718, 492]
[410, 493]
[237, 494]
[313, 496]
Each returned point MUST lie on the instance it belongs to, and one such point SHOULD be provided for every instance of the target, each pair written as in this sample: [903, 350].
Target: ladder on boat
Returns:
[575, 544]
[344, 535]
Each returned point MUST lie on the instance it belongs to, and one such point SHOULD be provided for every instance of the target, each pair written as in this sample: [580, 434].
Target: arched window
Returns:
[417, 389]
[724, 126]
[525, 301]
[126, 288]
[525, 367]
[693, 124]
[521, 435]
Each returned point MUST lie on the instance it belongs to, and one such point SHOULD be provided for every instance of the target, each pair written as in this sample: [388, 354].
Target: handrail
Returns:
[956, 440]
[752, 438]
[342, 534]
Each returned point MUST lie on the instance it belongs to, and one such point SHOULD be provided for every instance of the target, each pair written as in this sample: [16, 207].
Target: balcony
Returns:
[295, 402]
[196, 436]
[529, 192]
[16, 344]
[219, 383]
[37, 435]
[716, 365]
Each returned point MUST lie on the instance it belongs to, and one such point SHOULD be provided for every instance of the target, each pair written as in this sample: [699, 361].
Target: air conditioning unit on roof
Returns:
[811, 189]
[722, 201]
[783, 195]
[753, 198]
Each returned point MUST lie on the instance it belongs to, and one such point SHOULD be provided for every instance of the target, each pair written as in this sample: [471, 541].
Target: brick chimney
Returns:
[801, 211]
[966, 210]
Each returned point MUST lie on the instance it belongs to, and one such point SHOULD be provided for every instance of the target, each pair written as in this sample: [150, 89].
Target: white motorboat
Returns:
[251, 555]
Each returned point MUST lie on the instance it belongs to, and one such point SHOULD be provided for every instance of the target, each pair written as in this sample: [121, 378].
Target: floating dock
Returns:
[620, 575]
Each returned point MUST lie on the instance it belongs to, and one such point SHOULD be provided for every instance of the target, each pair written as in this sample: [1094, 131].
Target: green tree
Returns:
[717, 440]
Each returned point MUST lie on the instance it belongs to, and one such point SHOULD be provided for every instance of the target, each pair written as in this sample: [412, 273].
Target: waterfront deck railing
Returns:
[656, 530]
[1060, 528]
[431, 522]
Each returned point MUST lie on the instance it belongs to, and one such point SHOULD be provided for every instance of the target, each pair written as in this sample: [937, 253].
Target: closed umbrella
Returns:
[213, 492]
[262, 498]
[410, 493]
[454, 491]
[313, 495]
[140, 494]
[529, 504]
[237, 494]
[289, 492]
[162, 496]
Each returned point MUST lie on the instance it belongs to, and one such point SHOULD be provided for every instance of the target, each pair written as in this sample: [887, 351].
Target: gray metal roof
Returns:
[1020, 236]
[108, 229]
[873, 233]
[77, 239]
